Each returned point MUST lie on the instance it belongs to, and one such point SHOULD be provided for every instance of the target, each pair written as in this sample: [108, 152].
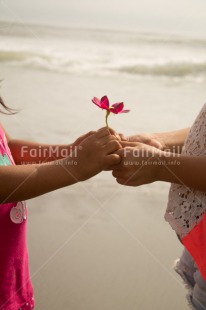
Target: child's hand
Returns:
[119, 136]
[82, 138]
[96, 154]
[138, 166]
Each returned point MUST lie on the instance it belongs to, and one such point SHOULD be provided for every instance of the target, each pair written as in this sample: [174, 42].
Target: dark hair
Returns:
[8, 110]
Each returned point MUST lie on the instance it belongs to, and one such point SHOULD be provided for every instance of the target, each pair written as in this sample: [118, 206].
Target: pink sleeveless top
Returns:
[16, 290]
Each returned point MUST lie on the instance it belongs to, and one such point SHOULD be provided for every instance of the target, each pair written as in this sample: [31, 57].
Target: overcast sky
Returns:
[187, 16]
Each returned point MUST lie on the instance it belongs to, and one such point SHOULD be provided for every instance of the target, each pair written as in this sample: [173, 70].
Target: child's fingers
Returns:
[114, 133]
[108, 131]
[112, 146]
[90, 133]
[106, 139]
[122, 137]
[83, 137]
[121, 152]
[111, 160]
[102, 132]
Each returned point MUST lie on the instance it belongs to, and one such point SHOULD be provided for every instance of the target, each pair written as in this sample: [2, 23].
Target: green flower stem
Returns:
[107, 115]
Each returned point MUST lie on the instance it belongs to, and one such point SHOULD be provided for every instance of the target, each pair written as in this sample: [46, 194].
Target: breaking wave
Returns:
[140, 67]
[96, 52]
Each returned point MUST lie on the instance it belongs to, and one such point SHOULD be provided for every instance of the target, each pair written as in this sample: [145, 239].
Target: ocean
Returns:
[98, 245]
[104, 53]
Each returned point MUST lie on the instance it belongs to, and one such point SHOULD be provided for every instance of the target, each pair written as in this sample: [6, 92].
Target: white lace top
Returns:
[186, 207]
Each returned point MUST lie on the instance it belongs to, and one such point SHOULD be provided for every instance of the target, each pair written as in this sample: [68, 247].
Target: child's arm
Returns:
[25, 152]
[143, 164]
[28, 181]
[172, 141]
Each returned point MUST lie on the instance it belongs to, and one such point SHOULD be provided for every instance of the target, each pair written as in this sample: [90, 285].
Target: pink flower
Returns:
[115, 108]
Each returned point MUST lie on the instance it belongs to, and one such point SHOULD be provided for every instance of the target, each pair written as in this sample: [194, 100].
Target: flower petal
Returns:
[117, 107]
[125, 111]
[96, 101]
[105, 103]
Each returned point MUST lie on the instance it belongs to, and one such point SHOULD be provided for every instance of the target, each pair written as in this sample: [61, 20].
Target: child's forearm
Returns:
[186, 170]
[28, 181]
[25, 152]
[173, 140]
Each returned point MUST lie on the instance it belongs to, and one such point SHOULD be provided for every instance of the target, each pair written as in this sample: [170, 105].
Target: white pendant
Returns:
[18, 213]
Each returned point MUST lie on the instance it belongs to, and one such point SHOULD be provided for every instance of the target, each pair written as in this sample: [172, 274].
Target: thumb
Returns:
[111, 160]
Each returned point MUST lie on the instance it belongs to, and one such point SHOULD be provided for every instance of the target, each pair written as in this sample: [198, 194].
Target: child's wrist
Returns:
[71, 167]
